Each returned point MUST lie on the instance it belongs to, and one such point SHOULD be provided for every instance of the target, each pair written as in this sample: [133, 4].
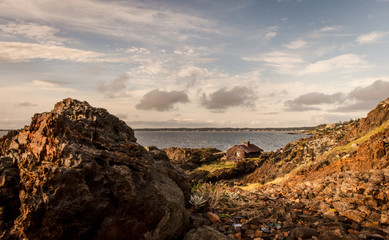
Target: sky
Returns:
[198, 63]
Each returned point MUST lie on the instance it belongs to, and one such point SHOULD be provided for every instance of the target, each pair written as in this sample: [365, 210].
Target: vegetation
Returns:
[214, 196]
[356, 142]
[216, 165]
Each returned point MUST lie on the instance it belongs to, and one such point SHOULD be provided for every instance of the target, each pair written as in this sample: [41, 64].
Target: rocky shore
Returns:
[77, 173]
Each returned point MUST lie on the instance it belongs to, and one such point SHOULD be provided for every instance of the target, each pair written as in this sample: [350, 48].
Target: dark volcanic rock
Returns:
[77, 173]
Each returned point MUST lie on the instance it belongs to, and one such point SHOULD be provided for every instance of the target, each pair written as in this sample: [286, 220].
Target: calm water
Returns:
[268, 141]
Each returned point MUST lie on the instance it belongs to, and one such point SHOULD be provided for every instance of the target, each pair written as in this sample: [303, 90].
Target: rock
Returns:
[9, 194]
[205, 232]
[354, 215]
[213, 217]
[303, 232]
[81, 175]
[192, 158]
[385, 217]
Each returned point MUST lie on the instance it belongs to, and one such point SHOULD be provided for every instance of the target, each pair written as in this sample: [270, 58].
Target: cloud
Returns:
[377, 91]
[365, 98]
[272, 32]
[284, 63]
[122, 115]
[52, 86]
[305, 102]
[116, 88]
[27, 104]
[299, 43]
[191, 75]
[328, 31]
[162, 100]
[342, 62]
[372, 37]
[172, 123]
[138, 50]
[25, 52]
[39, 33]
[132, 20]
[191, 51]
[356, 106]
[224, 98]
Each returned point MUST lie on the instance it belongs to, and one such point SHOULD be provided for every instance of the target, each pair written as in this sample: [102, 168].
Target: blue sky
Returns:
[196, 63]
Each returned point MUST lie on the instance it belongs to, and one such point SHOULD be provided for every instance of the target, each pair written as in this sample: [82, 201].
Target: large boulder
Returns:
[77, 173]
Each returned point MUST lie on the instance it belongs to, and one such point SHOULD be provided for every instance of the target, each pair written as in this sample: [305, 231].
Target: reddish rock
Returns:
[213, 217]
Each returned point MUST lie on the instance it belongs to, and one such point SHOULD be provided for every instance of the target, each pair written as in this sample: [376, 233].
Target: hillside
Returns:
[332, 185]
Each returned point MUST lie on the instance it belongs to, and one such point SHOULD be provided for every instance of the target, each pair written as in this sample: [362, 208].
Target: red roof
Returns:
[250, 148]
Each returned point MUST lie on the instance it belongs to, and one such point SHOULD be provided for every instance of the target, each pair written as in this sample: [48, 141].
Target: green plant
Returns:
[197, 200]
[223, 215]
[214, 195]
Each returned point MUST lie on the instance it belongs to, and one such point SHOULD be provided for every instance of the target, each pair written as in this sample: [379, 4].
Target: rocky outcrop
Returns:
[77, 173]
[330, 150]
[192, 158]
[374, 118]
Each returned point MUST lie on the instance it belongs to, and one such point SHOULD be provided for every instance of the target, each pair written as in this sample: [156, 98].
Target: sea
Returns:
[222, 140]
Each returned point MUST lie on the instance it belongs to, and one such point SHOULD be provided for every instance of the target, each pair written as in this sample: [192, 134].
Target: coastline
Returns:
[287, 129]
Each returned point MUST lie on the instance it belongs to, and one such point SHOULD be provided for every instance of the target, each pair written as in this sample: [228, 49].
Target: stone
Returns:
[303, 232]
[81, 175]
[354, 215]
[385, 217]
[213, 217]
[205, 232]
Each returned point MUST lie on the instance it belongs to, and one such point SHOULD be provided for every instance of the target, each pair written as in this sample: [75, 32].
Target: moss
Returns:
[216, 165]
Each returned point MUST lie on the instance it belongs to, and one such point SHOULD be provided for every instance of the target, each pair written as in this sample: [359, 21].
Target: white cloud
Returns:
[272, 32]
[270, 35]
[133, 20]
[342, 62]
[299, 43]
[192, 51]
[52, 86]
[330, 29]
[372, 37]
[39, 33]
[192, 74]
[138, 50]
[285, 63]
[25, 52]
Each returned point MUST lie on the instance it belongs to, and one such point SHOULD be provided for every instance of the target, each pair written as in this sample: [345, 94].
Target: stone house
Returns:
[245, 150]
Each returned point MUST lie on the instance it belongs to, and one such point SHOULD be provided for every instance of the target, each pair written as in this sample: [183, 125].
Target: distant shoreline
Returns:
[289, 129]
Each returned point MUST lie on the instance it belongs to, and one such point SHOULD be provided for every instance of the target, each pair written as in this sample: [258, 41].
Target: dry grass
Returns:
[216, 165]
[356, 142]
[251, 186]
